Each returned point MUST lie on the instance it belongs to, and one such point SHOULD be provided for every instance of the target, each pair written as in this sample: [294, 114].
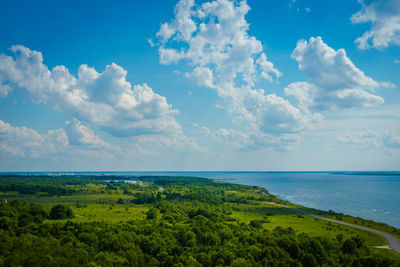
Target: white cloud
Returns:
[73, 141]
[23, 142]
[367, 139]
[168, 56]
[384, 16]
[334, 81]
[397, 61]
[328, 68]
[105, 99]
[183, 26]
[391, 140]
[203, 76]
[213, 37]
[81, 135]
[387, 141]
[181, 144]
[267, 67]
[302, 92]
[274, 114]
[4, 89]
[217, 36]
[237, 138]
[169, 143]
[256, 140]
[204, 130]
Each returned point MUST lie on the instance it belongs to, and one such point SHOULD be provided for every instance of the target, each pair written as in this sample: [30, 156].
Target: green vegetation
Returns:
[168, 221]
[60, 212]
[354, 220]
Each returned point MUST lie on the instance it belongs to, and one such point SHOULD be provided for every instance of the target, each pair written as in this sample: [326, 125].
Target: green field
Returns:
[284, 217]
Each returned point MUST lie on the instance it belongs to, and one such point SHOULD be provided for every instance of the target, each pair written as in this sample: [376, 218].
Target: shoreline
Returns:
[372, 213]
[229, 179]
[393, 242]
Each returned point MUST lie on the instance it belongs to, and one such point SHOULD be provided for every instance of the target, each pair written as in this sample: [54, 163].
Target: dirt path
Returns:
[394, 243]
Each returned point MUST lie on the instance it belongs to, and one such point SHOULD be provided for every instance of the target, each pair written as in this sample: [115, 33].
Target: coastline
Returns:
[392, 241]
[185, 215]
[370, 195]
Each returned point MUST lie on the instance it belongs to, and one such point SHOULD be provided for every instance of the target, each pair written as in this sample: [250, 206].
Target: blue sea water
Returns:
[374, 196]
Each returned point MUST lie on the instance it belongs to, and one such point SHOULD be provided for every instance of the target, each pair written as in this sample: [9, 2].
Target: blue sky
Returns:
[199, 85]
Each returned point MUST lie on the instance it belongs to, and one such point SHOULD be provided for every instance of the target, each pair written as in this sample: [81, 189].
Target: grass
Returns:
[353, 220]
[350, 219]
[367, 223]
[49, 201]
[277, 216]
[99, 207]
[107, 213]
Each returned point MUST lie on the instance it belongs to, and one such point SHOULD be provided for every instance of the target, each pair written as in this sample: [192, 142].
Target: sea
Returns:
[370, 195]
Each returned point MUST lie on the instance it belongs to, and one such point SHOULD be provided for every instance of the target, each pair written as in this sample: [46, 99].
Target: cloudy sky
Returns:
[199, 85]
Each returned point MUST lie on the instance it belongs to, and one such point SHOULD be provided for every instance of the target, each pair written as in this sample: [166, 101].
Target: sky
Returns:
[219, 85]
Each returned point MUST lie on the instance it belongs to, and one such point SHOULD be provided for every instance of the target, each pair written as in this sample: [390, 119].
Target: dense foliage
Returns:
[187, 224]
[40, 184]
[60, 212]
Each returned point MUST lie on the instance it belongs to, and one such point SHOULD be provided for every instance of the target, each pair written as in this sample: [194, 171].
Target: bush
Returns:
[151, 214]
[60, 212]
[349, 246]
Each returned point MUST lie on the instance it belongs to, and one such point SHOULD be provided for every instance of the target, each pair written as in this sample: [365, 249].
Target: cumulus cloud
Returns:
[75, 139]
[384, 16]
[80, 135]
[203, 76]
[27, 143]
[182, 24]
[334, 81]
[105, 99]
[267, 67]
[213, 38]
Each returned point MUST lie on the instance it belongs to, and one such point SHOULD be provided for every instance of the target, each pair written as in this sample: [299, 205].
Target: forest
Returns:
[170, 221]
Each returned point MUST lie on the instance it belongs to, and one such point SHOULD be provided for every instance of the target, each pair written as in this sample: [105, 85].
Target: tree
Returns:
[152, 213]
[309, 260]
[349, 246]
[59, 212]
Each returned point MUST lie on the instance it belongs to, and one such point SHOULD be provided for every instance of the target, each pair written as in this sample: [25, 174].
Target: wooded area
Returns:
[164, 221]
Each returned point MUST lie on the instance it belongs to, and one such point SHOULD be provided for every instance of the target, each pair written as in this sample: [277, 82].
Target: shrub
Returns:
[349, 246]
[60, 212]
